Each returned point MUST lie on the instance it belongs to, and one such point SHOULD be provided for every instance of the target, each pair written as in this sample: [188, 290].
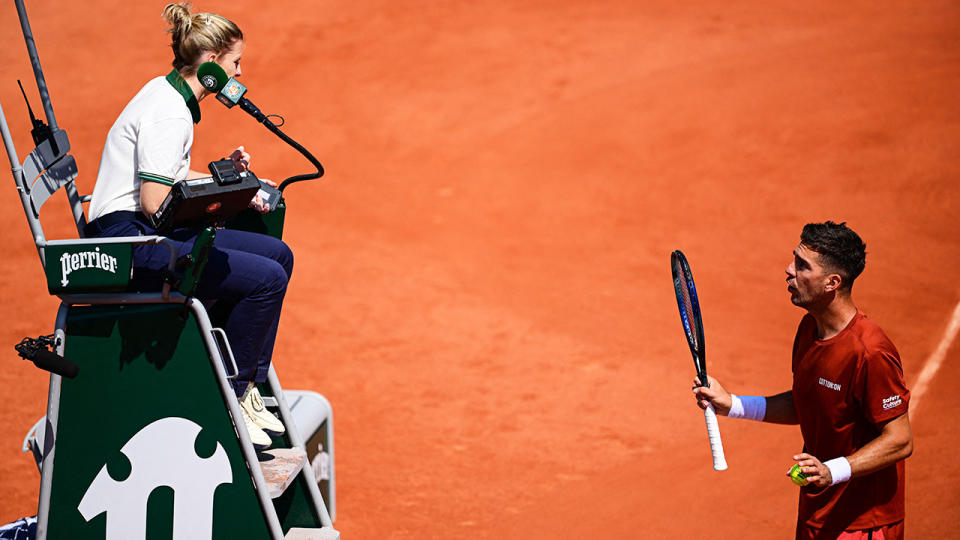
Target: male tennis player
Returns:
[848, 396]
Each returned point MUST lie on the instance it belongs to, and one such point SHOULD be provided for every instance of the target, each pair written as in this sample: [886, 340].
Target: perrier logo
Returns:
[87, 267]
[69, 262]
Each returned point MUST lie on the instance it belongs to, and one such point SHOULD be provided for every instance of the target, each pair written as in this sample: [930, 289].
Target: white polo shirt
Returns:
[150, 141]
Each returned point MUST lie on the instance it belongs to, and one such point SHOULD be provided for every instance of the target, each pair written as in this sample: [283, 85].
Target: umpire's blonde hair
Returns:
[197, 33]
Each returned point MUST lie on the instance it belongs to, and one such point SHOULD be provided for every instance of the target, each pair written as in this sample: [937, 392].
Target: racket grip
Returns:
[713, 434]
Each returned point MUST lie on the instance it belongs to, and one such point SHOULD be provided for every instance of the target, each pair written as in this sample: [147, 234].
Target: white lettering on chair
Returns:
[160, 454]
[87, 259]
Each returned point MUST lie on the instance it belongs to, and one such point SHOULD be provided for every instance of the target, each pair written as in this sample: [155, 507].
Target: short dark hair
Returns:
[840, 249]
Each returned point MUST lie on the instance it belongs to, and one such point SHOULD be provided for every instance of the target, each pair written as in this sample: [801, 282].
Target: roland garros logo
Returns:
[233, 90]
[208, 81]
[70, 262]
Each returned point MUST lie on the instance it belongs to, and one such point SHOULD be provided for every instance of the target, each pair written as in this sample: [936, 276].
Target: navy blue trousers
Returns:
[249, 271]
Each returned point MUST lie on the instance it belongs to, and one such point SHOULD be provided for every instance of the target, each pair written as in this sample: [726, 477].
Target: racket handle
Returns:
[713, 433]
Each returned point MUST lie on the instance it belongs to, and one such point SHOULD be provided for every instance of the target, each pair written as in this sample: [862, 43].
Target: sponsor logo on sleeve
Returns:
[892, 401]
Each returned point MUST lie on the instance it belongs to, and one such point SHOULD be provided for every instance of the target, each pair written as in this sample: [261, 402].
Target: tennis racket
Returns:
[693, 328]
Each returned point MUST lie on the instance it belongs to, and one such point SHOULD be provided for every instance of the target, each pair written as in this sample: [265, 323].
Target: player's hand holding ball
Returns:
[809, 470]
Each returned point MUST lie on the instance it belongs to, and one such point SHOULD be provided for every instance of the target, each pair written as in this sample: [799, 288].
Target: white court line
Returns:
[933, 363]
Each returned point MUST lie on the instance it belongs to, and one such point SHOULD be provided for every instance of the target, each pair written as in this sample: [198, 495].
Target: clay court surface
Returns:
[482, 287]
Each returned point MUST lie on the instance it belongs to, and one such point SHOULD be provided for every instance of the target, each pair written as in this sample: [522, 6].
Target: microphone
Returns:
[37, 351]
[229, 91]
[212, 77]
[54, 363]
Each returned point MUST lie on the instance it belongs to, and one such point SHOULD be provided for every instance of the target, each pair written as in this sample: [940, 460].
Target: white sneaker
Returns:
[258, 437]
[252, 404]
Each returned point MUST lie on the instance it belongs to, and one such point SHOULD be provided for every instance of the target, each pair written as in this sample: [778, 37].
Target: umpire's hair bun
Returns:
[197, 33]
[178, 17]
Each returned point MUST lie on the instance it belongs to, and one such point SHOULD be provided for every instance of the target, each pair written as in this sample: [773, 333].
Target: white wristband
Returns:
[749, 407]
[839, 470]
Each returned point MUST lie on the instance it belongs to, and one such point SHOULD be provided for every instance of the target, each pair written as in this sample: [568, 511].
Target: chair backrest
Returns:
[47, 169]
[74, 265]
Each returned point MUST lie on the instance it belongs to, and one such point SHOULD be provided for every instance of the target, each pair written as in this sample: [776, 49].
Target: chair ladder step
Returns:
[280, 467]
[324, 533]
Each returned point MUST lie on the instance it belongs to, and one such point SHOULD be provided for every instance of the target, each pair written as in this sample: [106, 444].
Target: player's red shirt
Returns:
[842, 388]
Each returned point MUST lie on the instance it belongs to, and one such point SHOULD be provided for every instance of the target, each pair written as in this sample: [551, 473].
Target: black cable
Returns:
[253, 111]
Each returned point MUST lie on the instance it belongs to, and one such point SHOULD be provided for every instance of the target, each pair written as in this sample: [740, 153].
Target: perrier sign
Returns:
[79, 268]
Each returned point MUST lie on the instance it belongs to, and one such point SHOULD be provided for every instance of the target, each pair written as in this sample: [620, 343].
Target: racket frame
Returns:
[692, 320]
[693, 329]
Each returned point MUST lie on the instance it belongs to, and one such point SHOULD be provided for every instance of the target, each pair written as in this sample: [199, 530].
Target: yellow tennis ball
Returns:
[797, 476]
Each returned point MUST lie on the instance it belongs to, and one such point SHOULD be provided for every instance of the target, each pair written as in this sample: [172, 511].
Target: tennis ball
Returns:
[797, 476]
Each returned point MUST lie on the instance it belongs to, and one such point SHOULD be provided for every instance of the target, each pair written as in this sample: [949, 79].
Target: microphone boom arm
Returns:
[253, 111]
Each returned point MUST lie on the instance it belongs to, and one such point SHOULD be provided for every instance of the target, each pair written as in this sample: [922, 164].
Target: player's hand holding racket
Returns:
[693, 328]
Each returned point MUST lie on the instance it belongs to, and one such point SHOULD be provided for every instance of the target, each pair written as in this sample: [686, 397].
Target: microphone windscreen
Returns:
[212, 76]
[54, 363]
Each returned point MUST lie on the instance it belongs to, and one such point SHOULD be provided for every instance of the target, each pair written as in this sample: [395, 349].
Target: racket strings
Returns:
[687, 303]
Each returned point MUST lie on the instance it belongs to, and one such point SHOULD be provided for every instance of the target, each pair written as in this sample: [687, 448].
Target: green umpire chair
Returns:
[147, 437]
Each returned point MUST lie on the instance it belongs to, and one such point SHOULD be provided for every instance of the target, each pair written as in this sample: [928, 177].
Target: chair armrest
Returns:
[196, 261]
[88, 265]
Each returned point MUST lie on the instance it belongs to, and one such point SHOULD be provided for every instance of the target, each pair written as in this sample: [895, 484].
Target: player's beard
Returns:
[808, 299]
[796, 298]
